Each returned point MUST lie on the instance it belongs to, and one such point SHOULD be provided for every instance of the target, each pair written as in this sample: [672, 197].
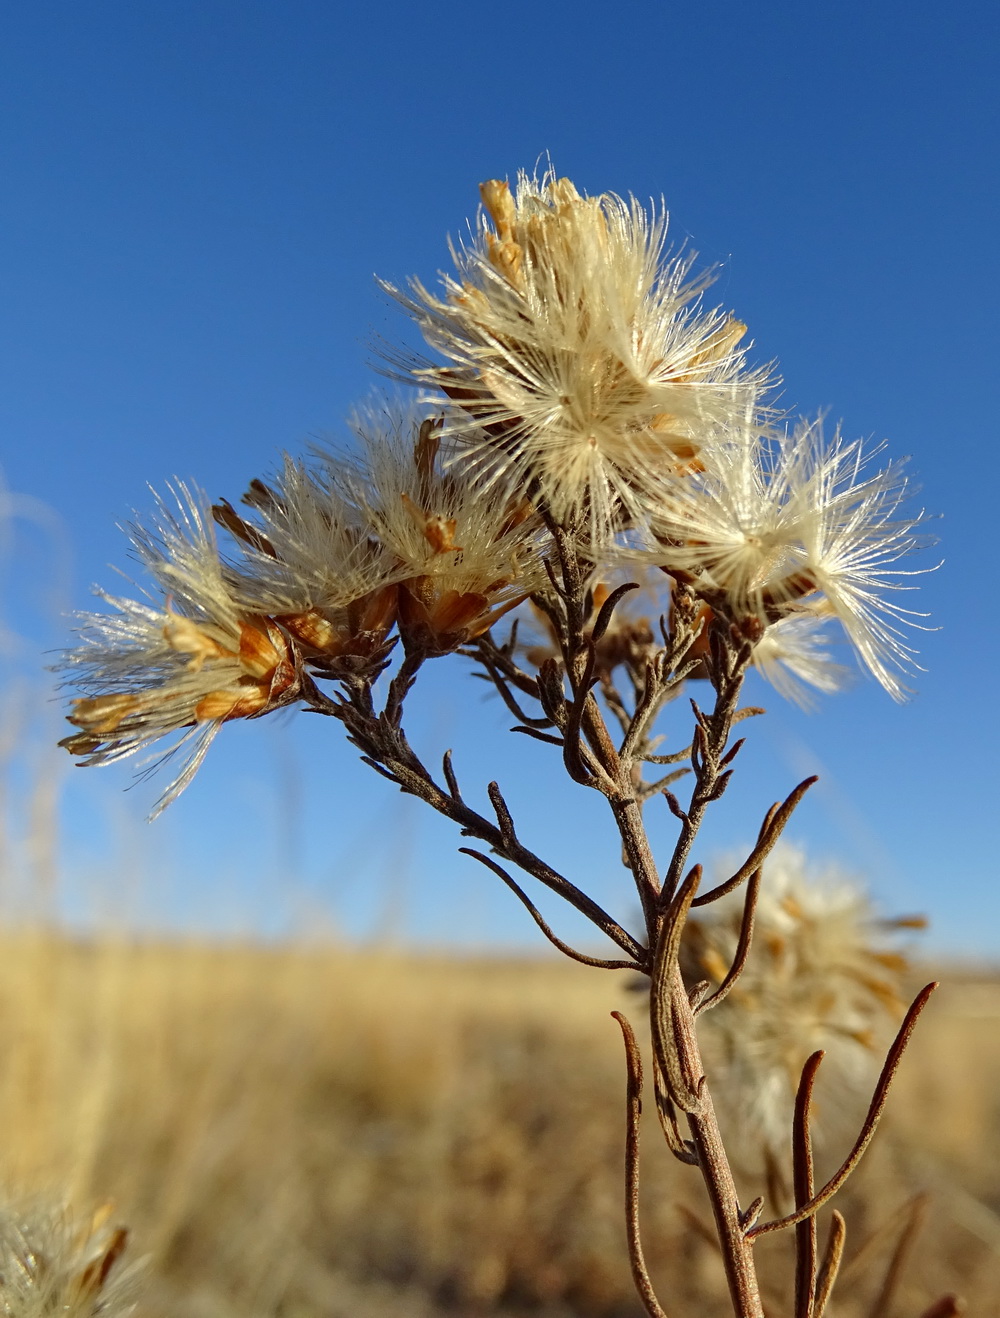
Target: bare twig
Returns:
[580, 764]
[648, 790]
[677, 757]
[682, 1149]
[384, 746]
[774, 825]
[742, 947]
[501, 682]
[508, 834]
[535, 735]
[400, 686]
[600, 962]
[487, 652]
[640, 1275]
[604, 616]
[830, 1266]
[867, 1130]
[804, 1188]
[449, 776]
[707, 749]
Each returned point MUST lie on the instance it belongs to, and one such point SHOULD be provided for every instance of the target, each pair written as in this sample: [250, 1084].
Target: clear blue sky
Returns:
[196, 198]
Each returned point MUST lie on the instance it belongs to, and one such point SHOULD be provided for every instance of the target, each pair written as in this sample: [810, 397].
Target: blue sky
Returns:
[196, 198]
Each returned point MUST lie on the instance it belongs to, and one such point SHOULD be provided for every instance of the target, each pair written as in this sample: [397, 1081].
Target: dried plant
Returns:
[592, 423]
[51, 1264]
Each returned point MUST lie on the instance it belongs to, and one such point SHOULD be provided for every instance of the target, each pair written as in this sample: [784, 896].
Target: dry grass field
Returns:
[321, 1133]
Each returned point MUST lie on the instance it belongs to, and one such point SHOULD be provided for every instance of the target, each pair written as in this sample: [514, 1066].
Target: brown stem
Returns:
[830, 1266]
[385, 748]
[804, 1188]
[633, 1112]
[635, 845]
[742, 947]
[676, 1049]
[736, 1243]
[774, 824]
[599, 962]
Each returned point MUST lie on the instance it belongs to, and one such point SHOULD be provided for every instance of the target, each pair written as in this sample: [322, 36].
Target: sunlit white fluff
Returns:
[51, 1264]
[581, 348]
[794, 656]
[795, 524]
[732, 527]
[306, 544]
[855, 530]
[184, 662]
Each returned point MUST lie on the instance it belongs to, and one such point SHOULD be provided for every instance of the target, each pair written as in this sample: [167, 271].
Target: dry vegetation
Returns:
[321, 1132]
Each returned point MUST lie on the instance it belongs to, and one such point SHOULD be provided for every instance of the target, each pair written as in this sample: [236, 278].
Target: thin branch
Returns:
[830, 1266]
[502, 685]
[540, 736]
[742, 946]
[676, 758]
[867, 1130]
[649, 703]
[487, 652]
[536, 915]
[616, 703]
[804, 1188]
[385, 748]
[774, 825]
[381, 769]
[682, 1149]
[708, 745]
[551, 692]
[646, 791]
[581, 765]
[675, 807]
[401, 685]
[633, 1111]
[505, 819]
[607, 609]
[753, 1211]
[449, 776]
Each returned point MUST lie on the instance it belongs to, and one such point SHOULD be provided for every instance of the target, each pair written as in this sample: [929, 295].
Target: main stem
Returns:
[737, 1250]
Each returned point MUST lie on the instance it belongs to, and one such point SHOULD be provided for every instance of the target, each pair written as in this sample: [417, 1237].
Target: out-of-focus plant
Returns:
[53, 1264]
[826, 974]
[588, 424]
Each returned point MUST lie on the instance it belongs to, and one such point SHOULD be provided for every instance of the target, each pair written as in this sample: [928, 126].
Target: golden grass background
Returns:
[313, 1131]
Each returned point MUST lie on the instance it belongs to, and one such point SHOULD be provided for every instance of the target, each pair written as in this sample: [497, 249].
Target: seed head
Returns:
[185, 663]
[311, 561]
[790, 526]
[462, 556]
[580, 349]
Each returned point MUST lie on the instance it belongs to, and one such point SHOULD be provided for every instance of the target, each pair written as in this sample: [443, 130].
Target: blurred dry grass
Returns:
[310, 1132]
